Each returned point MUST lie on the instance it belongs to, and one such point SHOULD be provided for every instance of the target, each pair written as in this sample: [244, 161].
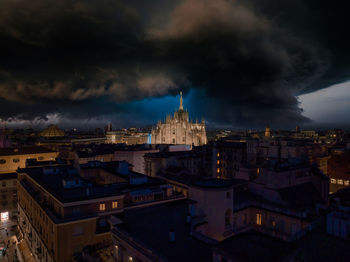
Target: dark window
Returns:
[15, 160]
[228, 217]
[2, 161]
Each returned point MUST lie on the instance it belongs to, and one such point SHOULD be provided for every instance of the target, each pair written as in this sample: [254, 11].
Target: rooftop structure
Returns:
[52, 131]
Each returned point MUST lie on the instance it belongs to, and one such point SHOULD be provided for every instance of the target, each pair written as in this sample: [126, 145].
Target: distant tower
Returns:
[267, 132]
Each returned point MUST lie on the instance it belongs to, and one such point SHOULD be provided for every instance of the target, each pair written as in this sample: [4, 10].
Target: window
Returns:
[3, 183]
[183, 139]
[40, 158]
[15, 160]
[218, 162]
[173, 131]
[2, 161]
[163, 139]
[228, 217]
[258, 219]
[218, 155]
[173, 140]
[346, 183]
[333, 181]
[102, 207]
[115, 204]
[218, 170]
[340, 181]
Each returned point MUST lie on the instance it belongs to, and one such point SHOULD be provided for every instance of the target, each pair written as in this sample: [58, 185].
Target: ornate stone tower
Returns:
[179, 130]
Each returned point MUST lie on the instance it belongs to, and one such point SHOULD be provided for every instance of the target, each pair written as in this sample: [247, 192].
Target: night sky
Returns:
[240, 63]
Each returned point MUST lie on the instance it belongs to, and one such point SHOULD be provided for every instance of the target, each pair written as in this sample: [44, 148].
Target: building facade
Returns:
[178, 129]
[13, 158]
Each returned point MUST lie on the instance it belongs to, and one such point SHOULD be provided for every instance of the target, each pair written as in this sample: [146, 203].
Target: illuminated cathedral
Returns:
[178, 129]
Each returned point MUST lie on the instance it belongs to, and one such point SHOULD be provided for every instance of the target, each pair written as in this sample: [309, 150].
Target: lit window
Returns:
[218, 154]
[340, 181]
[4, 216]
[346, 183]
[258, 219]
[102, 207]
[218, 162]
[333, 181]
[130, 259]
[115, 204]
[218, 170]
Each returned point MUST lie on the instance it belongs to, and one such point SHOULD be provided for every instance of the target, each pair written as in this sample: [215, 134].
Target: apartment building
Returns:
[13, 158]
[60, 213]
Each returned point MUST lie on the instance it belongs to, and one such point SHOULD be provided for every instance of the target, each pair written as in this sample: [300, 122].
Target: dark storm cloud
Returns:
[89, 58]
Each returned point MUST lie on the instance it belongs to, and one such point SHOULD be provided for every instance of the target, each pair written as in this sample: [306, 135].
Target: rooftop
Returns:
[53, 182]
[24, 150]
[52, 131]
[253, 246]
[217, 183]
[165, 217]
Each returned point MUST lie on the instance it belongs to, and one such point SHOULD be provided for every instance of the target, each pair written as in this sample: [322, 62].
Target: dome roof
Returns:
[52, 131]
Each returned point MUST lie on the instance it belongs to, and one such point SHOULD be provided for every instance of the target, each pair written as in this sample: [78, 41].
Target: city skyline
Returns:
[240, 64]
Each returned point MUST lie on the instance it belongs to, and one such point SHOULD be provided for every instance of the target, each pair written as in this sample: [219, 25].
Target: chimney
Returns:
[171, 235]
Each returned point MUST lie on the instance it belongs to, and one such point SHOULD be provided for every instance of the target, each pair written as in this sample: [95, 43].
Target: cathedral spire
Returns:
[181, 106]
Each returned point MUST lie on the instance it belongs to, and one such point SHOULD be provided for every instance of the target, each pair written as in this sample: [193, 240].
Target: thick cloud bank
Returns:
[250, 58]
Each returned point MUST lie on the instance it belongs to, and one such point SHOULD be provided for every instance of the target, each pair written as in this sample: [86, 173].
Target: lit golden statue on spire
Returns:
[181, 105]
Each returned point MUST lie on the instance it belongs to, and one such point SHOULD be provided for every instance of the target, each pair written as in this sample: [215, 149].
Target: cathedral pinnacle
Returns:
[181, 106]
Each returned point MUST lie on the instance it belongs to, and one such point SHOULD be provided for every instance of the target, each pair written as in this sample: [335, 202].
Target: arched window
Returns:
[228, 215]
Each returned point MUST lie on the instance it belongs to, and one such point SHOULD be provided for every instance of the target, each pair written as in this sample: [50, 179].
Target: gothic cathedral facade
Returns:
[179, 130]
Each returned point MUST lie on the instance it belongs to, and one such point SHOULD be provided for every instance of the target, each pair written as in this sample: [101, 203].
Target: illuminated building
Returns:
[8, 196]
[63, 209]
[178, 129]
[130, 136]
[13, 158]
[52, 131]
[267, 132]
